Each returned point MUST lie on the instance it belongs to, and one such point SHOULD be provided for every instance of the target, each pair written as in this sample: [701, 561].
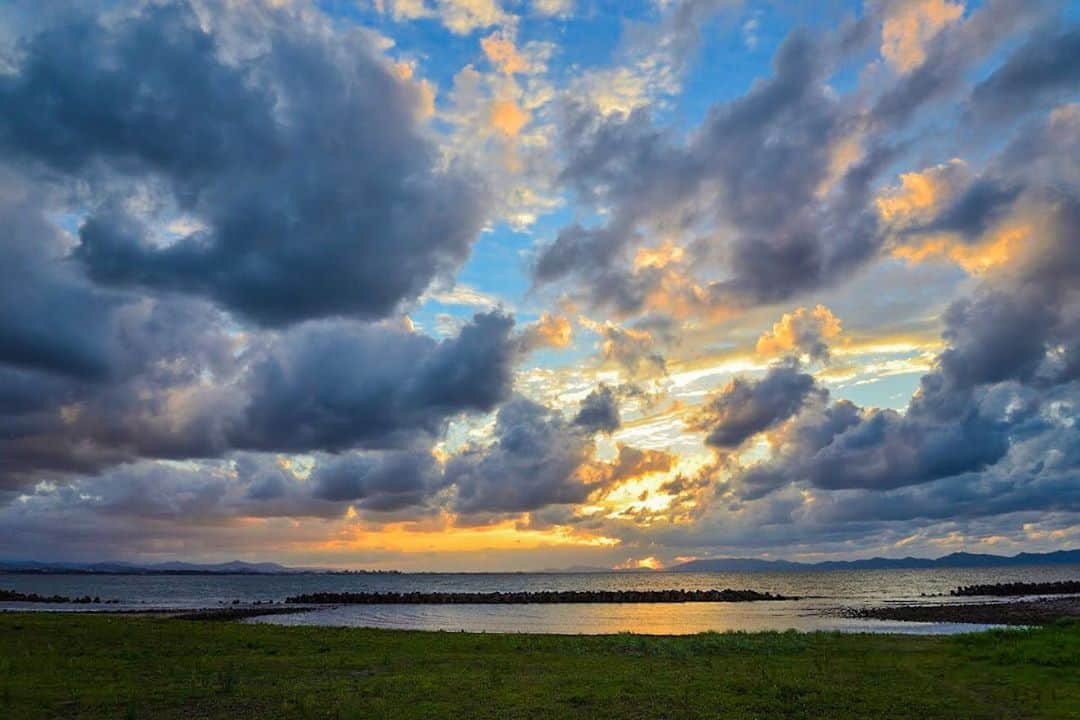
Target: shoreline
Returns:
[1039, 611]
[1030, 613]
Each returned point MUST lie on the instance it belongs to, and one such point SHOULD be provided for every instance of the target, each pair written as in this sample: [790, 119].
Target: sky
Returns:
[527, 284]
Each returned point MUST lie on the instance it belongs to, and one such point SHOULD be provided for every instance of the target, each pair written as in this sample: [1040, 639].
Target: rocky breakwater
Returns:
[1067, 587]
[12, 596]
[525, 598]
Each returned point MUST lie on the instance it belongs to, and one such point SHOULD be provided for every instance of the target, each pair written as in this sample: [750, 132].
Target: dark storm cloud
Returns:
[266, 479]
[1044, 70]
[599, 411]
[743, 408]
[148, 394]
[332, 385]
[972, 213]
[533, 462]
[302, 160]
[221, 165]
[887, 450]
[50, 318]
[818, 424]
[379, 481]
[997, 336]
[961, 497]
[335, 385]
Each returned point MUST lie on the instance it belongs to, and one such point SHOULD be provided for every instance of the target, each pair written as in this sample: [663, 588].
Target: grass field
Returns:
[95, 666]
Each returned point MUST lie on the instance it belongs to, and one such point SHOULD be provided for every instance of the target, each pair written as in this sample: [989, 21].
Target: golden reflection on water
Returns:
[576, 618]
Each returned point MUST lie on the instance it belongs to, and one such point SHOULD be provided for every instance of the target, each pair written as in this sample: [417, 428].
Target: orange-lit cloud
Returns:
[920, 193]
[501, 52]
[910, 25]
[920, 197]
[549, 331]
[507, 117]
[997, 248]
[803, 330]
[660, 256]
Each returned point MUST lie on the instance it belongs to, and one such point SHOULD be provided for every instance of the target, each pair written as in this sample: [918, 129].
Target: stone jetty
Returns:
[543, 596]
[12, 596]
[1044, 611]
[1067, 587]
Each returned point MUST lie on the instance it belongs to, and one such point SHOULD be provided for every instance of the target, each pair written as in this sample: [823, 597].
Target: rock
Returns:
[525, 597]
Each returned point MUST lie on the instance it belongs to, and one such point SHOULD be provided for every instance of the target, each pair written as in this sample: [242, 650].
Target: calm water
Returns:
[822, 594]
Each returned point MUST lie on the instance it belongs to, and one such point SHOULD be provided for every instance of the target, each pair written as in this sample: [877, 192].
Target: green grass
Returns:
[95, 666]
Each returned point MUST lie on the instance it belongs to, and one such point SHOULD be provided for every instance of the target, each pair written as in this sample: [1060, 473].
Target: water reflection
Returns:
[822, 592]
[598, 619]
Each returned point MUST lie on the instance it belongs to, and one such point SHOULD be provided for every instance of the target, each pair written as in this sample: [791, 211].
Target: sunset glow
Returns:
[530, 284]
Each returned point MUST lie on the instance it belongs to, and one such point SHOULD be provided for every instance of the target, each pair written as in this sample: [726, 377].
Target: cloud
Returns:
[599, 411]
[463, 295]
[51, 318]
[995, 390]
[743, 408]
[804, 331]
[500, 123]
[636, 349]
[501, 52]
[550, 331]
[461, 17]
[921, 195]
[537, 458]
[753, 167]
[270, 155]
[507, 117]
[950, 55]
[634, 462]
[386, 481]
[206, 348]
[333, 386]
[772, 195]
[553, 8]
[910, 25]
[144, 334]
[650, 61]
[1043, 71]
[533, 462]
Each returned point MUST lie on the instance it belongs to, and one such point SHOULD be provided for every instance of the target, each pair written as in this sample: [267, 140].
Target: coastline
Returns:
[92, 665]
[1038, 611]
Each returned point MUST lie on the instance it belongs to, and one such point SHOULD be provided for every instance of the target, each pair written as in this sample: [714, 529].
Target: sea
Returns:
[823, 597]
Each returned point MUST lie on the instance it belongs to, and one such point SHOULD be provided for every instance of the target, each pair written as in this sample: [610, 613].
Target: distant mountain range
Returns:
[576, 570]
[168, 568]
[953, 560]
[236, 567]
